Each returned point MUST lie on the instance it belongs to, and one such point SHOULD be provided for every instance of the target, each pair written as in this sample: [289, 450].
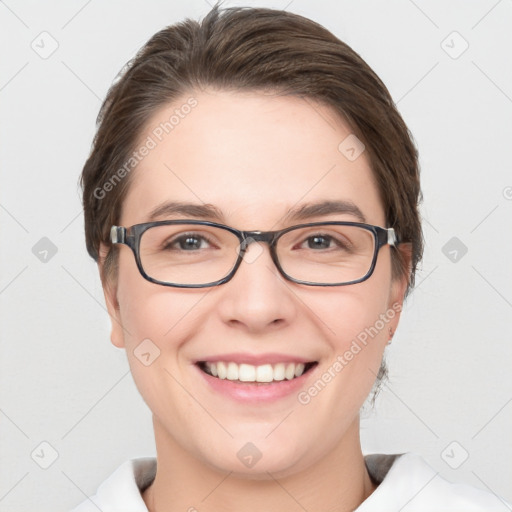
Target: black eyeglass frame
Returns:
[131, 237]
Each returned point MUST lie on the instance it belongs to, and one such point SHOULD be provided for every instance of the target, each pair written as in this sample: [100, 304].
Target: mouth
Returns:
[251, 374]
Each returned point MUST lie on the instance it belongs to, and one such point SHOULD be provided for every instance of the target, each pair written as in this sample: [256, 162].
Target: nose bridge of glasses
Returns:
[256, 236]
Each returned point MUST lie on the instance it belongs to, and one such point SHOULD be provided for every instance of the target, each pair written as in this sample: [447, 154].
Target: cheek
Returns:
[355, 321]
[149, 310]
[159, 326]
[156, 321]
[348, 313]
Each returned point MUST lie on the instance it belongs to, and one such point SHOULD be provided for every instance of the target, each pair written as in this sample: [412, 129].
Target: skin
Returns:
[254, 156]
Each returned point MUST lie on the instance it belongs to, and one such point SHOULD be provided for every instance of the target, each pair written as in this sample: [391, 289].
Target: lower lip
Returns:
[256, 392]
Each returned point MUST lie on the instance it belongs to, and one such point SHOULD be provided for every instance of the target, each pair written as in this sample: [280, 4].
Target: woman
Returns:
[252, 201]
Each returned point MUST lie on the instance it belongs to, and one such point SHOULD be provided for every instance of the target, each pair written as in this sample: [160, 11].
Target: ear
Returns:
[109, 285]
[399, 285]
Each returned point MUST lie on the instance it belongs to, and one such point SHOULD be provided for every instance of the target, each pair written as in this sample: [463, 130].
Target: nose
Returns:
[257, 298]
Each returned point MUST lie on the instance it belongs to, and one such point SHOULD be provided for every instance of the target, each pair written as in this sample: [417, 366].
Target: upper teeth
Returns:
[250, 373]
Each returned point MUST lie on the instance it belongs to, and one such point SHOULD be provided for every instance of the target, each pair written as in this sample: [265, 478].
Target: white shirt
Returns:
[407, 484]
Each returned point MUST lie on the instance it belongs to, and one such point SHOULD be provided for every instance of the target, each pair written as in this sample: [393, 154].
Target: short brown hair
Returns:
[253, 49]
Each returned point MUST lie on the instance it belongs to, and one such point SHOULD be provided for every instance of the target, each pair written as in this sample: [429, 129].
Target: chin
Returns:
[255, 460]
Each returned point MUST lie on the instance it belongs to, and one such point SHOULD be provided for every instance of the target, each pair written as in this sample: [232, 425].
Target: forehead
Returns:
[254, 156]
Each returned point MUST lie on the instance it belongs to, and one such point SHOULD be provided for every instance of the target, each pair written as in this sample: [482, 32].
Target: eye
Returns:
[187, 242]
[319, 242]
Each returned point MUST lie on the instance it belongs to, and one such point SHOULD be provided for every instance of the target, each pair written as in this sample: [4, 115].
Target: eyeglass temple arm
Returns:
[118, 235]
[392, 238]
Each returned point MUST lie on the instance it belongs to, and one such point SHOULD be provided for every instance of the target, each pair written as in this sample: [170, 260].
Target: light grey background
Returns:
[61, 380]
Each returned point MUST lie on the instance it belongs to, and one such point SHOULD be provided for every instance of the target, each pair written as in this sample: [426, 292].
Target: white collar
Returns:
[407, 484]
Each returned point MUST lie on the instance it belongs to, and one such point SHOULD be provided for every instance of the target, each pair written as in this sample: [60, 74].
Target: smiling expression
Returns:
[252, 158]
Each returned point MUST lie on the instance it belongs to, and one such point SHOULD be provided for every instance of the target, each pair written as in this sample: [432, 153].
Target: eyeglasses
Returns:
[198, 254]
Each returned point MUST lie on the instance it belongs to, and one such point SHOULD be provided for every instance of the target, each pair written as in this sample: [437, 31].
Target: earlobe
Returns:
[111, 301]
[114, 311]
[402, 281]
[399, 287]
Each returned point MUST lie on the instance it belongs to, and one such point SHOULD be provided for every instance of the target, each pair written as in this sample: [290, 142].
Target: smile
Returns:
[265, 373]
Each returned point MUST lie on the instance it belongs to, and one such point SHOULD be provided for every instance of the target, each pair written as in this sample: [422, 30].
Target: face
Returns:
[254, 157]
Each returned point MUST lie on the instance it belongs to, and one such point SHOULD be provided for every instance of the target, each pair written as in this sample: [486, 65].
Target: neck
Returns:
[337, 482]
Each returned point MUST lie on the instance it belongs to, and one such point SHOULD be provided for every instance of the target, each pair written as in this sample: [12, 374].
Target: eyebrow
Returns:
[191, 210]
[301, 213]
[309, 210]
